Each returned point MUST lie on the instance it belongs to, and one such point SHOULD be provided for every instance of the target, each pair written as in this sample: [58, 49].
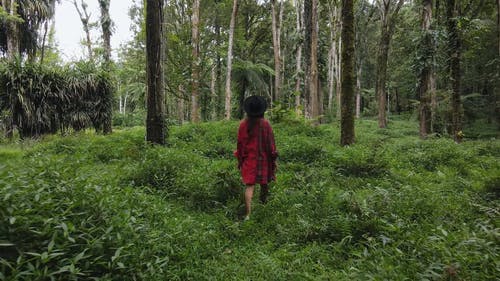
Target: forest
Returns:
[119, 165]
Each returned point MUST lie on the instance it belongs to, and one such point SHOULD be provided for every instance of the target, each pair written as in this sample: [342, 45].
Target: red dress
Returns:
[256, 152]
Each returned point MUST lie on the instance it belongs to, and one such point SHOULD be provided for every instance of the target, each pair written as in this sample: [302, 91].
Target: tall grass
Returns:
[390, 207]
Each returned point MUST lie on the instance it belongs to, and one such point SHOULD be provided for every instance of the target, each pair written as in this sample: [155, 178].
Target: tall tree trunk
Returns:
[12, 52]
[454, 53]
[219, 101]
[388, 20]
[277, 50]
[106, 29]
[85, 19]
[358, 91]
[348, 74]
[497, 107]
[338, 63]
[106, 36]
[44, 40]
[213, 91]
[424, 86]
[195, 72]
[12, 29]
[332, 53]
[298, 64]
[156, 129]
[230, 60]
[311, 44]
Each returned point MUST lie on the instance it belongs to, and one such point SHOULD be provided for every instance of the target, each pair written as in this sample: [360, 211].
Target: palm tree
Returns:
[250, 77]
[31, 15]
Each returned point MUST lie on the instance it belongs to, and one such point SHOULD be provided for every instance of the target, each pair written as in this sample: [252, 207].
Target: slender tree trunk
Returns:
[106, 36]
[338, 63]
[381, 77]
[85, 19]
[331, 74]
[454, 53]
[220, 98]
[348, 74]
[120, 104]
[156, 129]
[424, 87]
[388, 20]
[298, 65]
[497, 107]
[195, 73]
[332, 52]
[230, 60]
[125, 104]
[313, 86]
[44, 39]
[311, 43]
[213, 90]
[358, 92]
[277, 51]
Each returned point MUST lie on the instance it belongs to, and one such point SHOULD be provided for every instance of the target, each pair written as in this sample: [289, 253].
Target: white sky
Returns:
[69, 28]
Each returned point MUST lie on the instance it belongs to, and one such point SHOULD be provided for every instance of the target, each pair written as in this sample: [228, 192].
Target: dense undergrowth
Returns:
[390, 207]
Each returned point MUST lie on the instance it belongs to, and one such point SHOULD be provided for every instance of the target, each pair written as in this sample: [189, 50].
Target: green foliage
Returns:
[42, 100]
[390, 207]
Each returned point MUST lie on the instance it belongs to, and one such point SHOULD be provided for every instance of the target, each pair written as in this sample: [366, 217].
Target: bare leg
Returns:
[248, 199]
[264, 192]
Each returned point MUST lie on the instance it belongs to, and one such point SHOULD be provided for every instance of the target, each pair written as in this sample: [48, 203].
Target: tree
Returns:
[195, 71]
[106, 26]
[454, 49]
[156, 129]
[277, 49]
[311, 56]
[229, 60]
[388, 13]
[298, 64]
[12, 33]
[85, 19]
[426, 61]
[348, 74]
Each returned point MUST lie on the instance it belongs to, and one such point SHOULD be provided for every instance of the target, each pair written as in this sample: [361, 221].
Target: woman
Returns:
[256, 151]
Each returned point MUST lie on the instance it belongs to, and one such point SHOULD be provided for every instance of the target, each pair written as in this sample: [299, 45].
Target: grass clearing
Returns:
[390, 207]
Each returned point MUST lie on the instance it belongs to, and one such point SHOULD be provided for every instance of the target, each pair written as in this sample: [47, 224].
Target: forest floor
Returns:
[390, 207]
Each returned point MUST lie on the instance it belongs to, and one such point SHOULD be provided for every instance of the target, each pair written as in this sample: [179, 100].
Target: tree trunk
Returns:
[424, 86]
[44, 39]
[85, 19]
[230, 60]
[388, 20]
[358, 92]
[311, 43]
[381, 77]
[454, 54]
[313, 86]
[277, 50]
[106, 36]
[298, 65]
[195, 72]
[156, 129]
[348, 74]
[338, 63]
[106, 29]
[332, 53]
[497, 107]
[12, 30]
[213, 90]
